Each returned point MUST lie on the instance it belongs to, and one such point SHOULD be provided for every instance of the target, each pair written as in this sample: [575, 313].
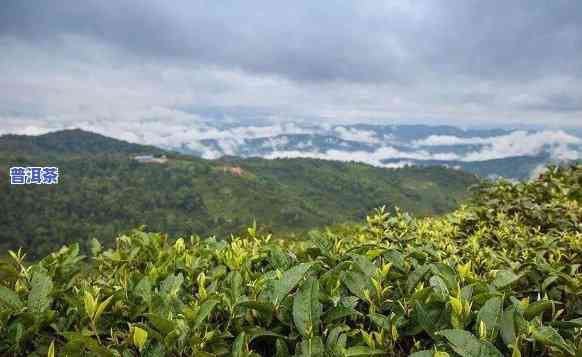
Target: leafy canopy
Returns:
[500, 276]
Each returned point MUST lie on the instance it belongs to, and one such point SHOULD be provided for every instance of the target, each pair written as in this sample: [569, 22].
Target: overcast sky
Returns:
[461, 62]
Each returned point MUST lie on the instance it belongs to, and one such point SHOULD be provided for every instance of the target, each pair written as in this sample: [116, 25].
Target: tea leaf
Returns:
[425, 353]
[143, 289]
[102, 308]
[339, 312]
[163, 325]
[307, 309]
[289, 280]
[82, 342]
[311, 348]
[239, 345]
[536, 308]
[490, 314]
[9, 298]
[364, 265]
[550, 337]
[51, 349]
[357, 283]
[41, 288]
[171, 285]
[467, 345]
[505, 278]
[281, 349]
[204, 311]
[139, 337]
[363, 351]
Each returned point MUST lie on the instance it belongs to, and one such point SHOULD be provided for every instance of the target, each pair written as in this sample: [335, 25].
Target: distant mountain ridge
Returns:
[511, 153]
[514, 154]
[103, 191]
[72, 141]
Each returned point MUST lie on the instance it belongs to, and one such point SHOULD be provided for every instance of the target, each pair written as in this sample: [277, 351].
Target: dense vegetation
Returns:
[103, 192]
[516, 167]
[499, 276]
[70, 142]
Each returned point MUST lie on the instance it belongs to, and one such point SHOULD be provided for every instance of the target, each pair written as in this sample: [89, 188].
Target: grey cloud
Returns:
[364, 41]
[519, 39]
[562, 102]
[302, 42]
[446, 61]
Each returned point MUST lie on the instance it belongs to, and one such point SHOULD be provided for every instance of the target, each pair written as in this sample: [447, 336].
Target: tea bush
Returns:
[500, 276]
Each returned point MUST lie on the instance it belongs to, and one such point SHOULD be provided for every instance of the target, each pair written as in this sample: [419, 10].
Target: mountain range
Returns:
[513, 154]
[516, 154]
[103, 190]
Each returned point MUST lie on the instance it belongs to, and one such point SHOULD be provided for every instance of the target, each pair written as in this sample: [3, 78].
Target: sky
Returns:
[111, 64]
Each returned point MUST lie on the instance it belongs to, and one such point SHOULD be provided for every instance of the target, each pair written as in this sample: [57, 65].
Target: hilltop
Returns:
[103, 192]
[71, 142]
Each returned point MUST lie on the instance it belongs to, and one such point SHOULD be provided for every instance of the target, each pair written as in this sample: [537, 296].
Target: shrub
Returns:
[500, 276]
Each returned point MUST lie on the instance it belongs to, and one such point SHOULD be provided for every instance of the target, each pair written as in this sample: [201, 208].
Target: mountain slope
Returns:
[470, 283]
[516, 167]
[103, 191]
[511, 153]
[70, 142]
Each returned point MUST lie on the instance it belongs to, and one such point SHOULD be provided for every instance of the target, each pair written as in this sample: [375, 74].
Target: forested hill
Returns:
[104, 191]
[71, 142]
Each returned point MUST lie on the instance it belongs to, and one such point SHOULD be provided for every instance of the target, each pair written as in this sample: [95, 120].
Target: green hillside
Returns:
[70, 142]
[103, 192]
[498, 277]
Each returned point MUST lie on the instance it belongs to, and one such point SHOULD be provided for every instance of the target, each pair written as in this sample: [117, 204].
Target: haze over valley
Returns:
[511, 153]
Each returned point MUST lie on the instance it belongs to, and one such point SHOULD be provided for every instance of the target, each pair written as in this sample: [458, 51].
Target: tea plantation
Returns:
[501, 276]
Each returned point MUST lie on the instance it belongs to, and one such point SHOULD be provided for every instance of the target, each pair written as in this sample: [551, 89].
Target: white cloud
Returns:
[547, 136]
[171, 128]
[158, 126]
[449, 140]
[559, 144]
[521, 143]
[352, 134]
[563, 152]
[23, 126]
[276, 142]
[373, 158]
[338, 155]
[389, 152]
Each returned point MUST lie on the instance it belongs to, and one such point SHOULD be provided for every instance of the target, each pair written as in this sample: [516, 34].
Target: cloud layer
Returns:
[557, 145]
[389, 146]
[458, 62]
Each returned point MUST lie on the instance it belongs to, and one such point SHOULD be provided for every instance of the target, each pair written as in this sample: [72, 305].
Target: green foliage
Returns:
[307, 308]
[473, 283]
[467, 345]
[75, 141]
[40, 289]
[103, 192]
[550, 204]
